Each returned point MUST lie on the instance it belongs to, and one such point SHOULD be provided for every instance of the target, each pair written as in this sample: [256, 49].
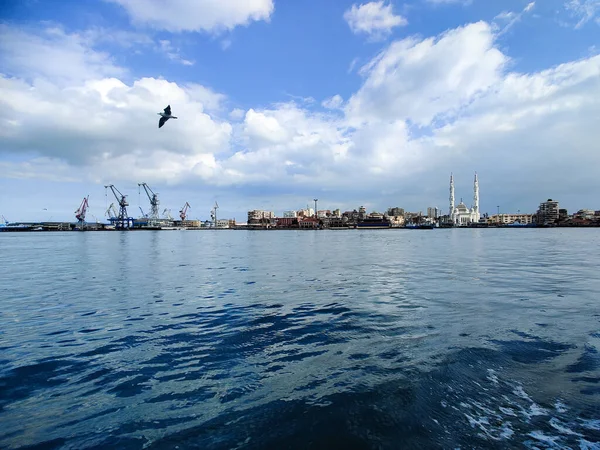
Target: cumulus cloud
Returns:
[426, 107]
[53, 54]
[198, 15]
[375, 19]
[104, 122]
[423, 79]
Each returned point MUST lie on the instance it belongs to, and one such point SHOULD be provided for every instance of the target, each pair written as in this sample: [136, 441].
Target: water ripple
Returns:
[444, 339]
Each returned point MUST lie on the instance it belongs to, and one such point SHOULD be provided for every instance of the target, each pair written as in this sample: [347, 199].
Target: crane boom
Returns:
[80, 212]
[111, 212]
[183, 212]
[153, 201]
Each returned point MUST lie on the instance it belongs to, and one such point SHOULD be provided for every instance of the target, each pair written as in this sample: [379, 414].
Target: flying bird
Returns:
[165, 116]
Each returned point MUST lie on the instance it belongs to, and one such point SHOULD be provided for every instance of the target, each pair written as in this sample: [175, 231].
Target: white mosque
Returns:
[461, 215]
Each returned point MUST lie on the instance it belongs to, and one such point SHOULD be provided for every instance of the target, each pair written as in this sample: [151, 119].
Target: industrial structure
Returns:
[122, 220]
[183, 211]
[213, 214]
[80, 213]
[154, 202]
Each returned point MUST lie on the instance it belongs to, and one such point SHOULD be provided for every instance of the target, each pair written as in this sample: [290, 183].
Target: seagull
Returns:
[165, 116]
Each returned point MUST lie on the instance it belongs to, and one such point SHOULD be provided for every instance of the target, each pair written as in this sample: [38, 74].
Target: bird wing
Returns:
[162, 121]
[168, 110]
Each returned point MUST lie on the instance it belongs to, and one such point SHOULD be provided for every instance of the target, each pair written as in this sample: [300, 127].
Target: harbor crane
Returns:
[167, 214]
[111, 212]
[183, 212]
[122, 220]
[213, 214]
[153, 201]
[80, 212]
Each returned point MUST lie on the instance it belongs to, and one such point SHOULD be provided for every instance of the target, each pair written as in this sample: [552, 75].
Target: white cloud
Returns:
[531, 125]
[511, 18]
[173, 53]
[264, 128]
[439, 2]
[53, 54]
[119, 123]
[584, 11]
[375, 19]
[334, 102]
[422, 79]
[122, 38]
[198, 15]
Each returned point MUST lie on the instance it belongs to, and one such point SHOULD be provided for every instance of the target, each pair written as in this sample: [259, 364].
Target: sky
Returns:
[279, 102]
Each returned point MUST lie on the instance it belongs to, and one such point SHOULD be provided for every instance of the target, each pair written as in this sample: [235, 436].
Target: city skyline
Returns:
[280, 103]
[140, 203]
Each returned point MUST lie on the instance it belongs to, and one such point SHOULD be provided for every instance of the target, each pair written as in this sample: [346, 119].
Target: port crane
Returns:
[122, 220]
[213, 214]
[111, 212]
[183, 212]
[153, 201]
[80, 213]
[167, 214]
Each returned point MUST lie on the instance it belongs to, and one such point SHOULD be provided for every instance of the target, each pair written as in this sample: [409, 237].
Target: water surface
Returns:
[375, 339]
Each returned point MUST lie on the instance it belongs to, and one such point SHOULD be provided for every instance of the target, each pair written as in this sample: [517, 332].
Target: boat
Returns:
[374, 222]
[517, 224]
[420, 226]
[16, 227]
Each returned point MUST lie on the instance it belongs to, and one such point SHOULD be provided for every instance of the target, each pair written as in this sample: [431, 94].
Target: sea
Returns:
[327, 339]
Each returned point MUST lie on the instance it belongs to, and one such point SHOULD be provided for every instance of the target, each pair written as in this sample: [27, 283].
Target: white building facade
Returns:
[461, 215]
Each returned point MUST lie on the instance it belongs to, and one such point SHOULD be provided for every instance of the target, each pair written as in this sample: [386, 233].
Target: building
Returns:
[396, 221]
[461, 215]
[289, 214]
[308, 222]
[548, 212]
[286, 222]
[563, 215]
[222, 223]
[586, 214]
[362, 213]
[507, 219]
[308, 212]
[260, 216]
[396, 211]
[433, 212]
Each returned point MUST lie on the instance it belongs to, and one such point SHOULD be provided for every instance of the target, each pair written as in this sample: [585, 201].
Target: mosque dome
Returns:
[462, 208]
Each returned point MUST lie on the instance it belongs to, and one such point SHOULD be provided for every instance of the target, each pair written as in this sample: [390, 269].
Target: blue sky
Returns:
[357, 103]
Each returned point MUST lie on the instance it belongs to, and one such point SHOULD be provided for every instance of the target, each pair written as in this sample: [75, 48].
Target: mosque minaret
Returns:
[460, 215]
[451, 195]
